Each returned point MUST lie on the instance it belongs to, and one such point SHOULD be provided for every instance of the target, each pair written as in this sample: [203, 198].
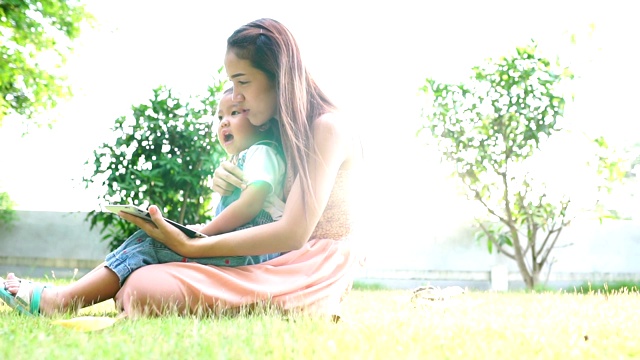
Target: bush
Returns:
[163, 154]
[7, 213]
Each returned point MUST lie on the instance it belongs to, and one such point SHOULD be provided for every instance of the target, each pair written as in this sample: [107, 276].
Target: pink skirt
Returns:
[314, 278]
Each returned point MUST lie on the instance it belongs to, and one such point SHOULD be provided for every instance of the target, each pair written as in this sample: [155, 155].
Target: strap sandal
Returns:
[27, 300]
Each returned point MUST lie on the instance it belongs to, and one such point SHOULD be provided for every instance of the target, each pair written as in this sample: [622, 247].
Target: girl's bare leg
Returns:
[102, 264]
[98, 285]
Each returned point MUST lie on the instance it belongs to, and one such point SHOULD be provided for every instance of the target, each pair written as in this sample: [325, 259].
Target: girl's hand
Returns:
[227, 178]
[194, 227]
[161, 230]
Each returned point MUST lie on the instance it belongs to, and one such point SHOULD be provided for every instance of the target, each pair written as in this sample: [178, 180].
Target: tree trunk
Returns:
[530, 279]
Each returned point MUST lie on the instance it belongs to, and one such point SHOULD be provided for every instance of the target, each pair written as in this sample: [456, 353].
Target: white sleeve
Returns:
[262, 163]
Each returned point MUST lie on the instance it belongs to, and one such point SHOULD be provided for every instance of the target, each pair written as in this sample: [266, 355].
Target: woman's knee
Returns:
[150, 290]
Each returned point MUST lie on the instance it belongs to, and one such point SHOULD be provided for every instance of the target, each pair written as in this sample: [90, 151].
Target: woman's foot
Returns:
[32, 297]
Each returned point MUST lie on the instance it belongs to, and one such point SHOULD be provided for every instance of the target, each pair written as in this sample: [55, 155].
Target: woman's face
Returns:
[252, 89]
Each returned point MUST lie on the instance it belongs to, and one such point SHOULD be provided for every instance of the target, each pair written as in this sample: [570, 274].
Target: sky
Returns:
[371, 57]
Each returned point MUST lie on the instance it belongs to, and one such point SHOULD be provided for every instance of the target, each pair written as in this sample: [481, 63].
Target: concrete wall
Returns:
[587, 252]
[55, 243]
[41, 242]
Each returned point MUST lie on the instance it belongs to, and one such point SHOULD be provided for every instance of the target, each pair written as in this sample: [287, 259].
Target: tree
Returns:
[489, 126]
[35, 38]
[164, 154]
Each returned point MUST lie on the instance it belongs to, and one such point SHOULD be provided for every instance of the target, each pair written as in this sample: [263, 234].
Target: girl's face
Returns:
[235, 132]
[252, 90]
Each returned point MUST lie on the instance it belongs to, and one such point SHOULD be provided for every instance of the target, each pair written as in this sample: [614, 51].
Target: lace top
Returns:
[336, 220]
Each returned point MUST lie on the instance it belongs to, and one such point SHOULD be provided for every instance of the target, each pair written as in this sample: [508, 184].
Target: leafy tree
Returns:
[164, 154]
[35, 37]
[487, 128]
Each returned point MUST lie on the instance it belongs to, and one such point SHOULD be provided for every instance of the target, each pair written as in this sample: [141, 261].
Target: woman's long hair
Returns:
[271, 48]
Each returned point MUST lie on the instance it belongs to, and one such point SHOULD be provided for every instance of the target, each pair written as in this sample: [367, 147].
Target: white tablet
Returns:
[134, 210]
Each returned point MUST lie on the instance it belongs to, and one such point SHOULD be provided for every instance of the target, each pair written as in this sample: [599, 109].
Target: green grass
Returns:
[376, 324]
[620, 286]
[357, 285]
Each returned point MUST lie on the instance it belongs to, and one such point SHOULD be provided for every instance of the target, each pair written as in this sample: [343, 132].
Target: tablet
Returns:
[134, 210]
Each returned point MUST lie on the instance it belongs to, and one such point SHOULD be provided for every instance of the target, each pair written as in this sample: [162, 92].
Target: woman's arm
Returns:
[298, 221]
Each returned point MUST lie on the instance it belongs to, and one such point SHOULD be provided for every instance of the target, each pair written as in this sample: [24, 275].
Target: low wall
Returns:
[448, 254]
[56, 243]
[43, 243]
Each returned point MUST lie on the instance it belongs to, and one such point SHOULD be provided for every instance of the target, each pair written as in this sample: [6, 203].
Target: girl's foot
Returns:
[31, 297]
[12, 284]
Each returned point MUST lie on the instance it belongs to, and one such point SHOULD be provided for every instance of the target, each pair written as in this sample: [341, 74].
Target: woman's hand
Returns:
[227, 178]
[161, 230]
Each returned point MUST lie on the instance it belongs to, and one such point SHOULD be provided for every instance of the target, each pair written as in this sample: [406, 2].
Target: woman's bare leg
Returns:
[98, 285]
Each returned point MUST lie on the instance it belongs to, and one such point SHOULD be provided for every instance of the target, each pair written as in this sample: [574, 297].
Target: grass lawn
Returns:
[376, 324]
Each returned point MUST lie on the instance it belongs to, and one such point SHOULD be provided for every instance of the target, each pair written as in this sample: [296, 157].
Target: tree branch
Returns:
[489, 209]
[499, 246]
[551, 247]
[555, 229]
[546, 239]
[529, 220]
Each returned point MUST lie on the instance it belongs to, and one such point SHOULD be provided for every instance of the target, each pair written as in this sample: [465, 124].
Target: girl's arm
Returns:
[241, 211]
[298, 221]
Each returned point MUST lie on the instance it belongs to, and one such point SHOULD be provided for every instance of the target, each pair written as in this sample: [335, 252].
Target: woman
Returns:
[269, 81]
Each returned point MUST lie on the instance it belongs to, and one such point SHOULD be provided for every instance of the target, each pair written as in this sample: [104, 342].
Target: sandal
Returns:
[22, 302]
